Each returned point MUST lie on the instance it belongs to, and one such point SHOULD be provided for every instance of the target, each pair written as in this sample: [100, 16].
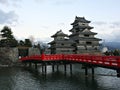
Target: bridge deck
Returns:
[105, 61]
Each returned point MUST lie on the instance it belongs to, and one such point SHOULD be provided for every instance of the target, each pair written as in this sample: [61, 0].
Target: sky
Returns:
[43, 18]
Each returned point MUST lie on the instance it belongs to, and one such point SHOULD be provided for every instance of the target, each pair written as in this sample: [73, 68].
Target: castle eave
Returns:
[90, 39]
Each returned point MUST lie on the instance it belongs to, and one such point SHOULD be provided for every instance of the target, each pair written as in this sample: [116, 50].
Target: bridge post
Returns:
[118, 72]
[42, 68]
[30, 64]
[92, 71]
[25, 64]
[42, 56]
[57, 67]
[86, 71]
[45, 68]
[65, 67]
[53, 68]
[70, 68]
[35, 65]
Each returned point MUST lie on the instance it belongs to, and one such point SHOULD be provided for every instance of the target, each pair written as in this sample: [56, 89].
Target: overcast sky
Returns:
[43, 18]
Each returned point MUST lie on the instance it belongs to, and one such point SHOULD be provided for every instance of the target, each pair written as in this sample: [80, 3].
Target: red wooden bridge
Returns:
[111, 62]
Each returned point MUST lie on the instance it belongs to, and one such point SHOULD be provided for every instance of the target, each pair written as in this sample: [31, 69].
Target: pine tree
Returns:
[28, 43]
[9, 40]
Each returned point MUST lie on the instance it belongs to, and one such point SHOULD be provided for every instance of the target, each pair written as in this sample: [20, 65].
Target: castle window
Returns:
[88, 43]
[77, 41]
[83, 24]
[77, 29]
[86, 35]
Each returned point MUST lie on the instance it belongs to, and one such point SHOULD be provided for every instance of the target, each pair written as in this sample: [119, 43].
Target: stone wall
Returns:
[9, 55]
[33, 51]
[13, 54]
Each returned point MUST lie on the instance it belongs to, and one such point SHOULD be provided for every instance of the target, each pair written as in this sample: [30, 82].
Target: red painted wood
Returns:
[113, 61]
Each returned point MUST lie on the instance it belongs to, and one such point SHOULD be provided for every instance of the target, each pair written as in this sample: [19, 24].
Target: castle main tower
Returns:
[84, 39]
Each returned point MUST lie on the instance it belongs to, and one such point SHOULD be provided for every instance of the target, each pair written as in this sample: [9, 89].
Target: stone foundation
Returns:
[11, 55]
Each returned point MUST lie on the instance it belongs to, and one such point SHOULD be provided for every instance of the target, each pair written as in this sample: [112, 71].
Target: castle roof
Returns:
[80, 19]
[82, 28]
[59, 33]
[90, 39]
[88, 33]
[61, 41]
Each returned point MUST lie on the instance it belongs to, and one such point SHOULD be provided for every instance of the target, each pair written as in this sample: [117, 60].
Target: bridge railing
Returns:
[36, 57]
[27, 58]
[93, 59]
[106, 60]
[53, 57]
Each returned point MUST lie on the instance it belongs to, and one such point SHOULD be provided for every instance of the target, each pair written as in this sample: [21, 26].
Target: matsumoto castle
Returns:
[81, 40]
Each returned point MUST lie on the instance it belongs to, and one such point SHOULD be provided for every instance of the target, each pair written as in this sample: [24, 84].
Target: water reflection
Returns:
[28, 79]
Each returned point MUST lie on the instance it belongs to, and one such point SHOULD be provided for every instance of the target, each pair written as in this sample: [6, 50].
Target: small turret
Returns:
[61, 44]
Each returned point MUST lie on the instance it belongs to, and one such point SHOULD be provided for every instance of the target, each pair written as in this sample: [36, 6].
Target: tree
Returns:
[9, 40]
[107, 53]
[28, 43]
[116, 52]
[21, 43]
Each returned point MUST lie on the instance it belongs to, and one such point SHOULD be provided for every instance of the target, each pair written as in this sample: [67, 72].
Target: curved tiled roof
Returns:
[59, 33]
[90, 39]
[80, 19]
[62, 41]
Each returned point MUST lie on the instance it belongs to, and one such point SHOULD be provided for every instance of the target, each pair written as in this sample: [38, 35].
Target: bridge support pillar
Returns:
[93, 71]
[65, 67]
[30, 64]
[42, 68]
[118, 72]
[35, 65]
[57, 67]
[70, 68]
[53, 69]
[25, 64]
[45, 68]
[86, 71]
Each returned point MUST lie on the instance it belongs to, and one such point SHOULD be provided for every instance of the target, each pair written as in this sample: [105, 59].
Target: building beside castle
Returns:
[81, 40]
[61, 44]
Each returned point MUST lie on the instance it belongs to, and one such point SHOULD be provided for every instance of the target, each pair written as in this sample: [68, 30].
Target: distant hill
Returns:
[112, 45]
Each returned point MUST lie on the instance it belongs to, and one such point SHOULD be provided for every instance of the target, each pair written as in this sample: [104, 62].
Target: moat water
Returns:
[24, 79]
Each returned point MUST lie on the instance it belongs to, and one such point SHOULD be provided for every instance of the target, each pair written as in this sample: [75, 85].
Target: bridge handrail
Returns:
[93, 59]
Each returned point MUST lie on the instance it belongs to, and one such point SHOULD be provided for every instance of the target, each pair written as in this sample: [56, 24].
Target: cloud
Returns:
[4, 2]
[109, 31]
[115, 25]
[116, 34]
[100, 23]
[61, 24]
[45, 27]
[39, 0]
[57, 2]
[9, 2]
[8, 17]
[64, 2]
[45, 39]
